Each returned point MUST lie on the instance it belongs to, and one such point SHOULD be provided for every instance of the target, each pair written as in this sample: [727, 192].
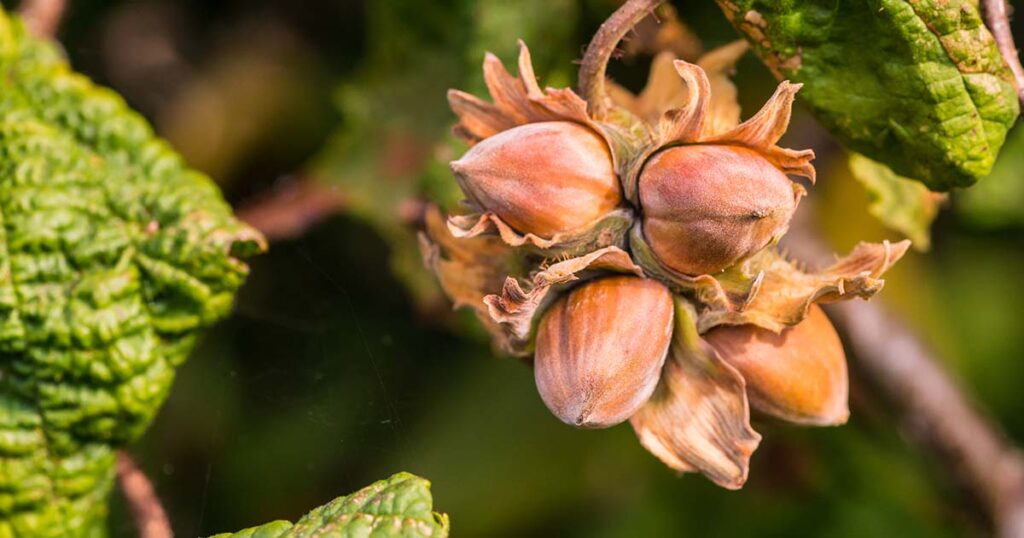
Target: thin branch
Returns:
[599, 51]
[292, 207]
[150, 518]
[42, 17]
[998, 21]
[936, 411]
[932, 406]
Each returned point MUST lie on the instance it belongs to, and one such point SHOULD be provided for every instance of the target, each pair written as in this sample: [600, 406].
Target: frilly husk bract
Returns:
[768, 290]
[515, 308]
[689, 111]
[610, 230]
[468, 269]
[518, 101]
[698, 419]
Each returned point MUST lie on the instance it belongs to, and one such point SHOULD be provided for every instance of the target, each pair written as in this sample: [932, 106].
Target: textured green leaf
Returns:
[918, 85]
[113, 254]
[901, 204]
[399, 507]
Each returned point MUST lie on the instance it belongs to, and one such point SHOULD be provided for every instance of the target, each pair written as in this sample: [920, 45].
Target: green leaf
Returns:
[918, 85]
[113, 255]
[901, 204]
[400, 506]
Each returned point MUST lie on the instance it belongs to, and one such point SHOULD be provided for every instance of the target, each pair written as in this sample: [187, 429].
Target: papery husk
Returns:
[768, 290]
[784, 292]
[468, 269]
[703, 119]
[723, 109]
[515, 308]
[610, 230]
[666, 91]
[517, 101]
[698, 419]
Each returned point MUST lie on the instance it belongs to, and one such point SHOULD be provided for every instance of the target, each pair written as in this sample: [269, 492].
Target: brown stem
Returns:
[998, 21]
[42, 16]
[601, 47]
[150, 518]
[936, 411]
[929, 403]
[291, 207]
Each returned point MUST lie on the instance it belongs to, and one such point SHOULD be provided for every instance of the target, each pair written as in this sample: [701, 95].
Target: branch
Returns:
[42, 16]
[599, 51]
[293, 206]
[930, 404]
[936, 411]
[998, 21]
[150, 518]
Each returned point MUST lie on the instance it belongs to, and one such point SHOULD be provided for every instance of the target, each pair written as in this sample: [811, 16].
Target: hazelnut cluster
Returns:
[634, 257]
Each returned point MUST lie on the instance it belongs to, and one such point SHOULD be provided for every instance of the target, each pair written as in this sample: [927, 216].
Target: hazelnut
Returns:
[600, 350]
[542, 178]
[708, 207]
[798, 375]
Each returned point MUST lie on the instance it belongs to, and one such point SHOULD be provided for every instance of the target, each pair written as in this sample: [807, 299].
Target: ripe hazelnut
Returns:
[541, 178]
[708, 207]
[600, 349]
[798, 375]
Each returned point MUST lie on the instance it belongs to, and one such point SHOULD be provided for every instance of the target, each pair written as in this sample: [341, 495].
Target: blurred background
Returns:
[344, 364]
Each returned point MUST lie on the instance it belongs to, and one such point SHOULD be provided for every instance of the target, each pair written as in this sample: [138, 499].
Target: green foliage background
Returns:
[342, 364]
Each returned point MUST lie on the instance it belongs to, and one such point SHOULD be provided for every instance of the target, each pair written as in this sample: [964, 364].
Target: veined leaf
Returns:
[113, 255]
[398, 507]
[917, 85]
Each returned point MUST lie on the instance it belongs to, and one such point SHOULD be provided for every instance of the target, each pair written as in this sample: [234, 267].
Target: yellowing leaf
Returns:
[902, 204]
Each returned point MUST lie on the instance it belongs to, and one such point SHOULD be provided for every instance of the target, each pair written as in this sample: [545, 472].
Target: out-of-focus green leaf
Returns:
[917, 85]
[398, 507]
[394, 143]
[998, 202]
[901, 204]
[113, 255]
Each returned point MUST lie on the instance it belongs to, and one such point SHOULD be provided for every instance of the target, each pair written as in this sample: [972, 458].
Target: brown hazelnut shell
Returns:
[544, 178]
[600, 349]
[707, 207]
[798, 375]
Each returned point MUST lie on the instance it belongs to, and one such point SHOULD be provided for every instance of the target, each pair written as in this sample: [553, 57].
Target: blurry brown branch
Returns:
[150, 518]
[930, 404]
[599, 51]
[42, 16]
[936, 411]
[293, 206]
[998, 21]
